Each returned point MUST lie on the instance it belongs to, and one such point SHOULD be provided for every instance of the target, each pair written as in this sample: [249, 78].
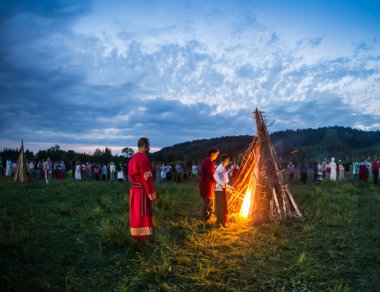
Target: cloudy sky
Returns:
[84, 74]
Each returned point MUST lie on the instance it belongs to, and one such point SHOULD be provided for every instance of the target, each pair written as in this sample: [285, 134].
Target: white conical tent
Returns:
[260, 190]
[22, 173]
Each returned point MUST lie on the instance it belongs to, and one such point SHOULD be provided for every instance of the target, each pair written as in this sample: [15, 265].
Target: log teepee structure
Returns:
[260, 191]
[22, 172]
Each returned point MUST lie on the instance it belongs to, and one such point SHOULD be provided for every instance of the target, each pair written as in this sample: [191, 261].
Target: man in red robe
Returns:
[142, 192]
[207, 183]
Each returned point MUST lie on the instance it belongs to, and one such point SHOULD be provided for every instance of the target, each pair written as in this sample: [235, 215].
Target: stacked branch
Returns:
[22, 172]
[261, 175]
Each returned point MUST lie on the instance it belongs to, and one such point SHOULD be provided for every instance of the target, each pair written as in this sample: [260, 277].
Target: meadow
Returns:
[74, 236]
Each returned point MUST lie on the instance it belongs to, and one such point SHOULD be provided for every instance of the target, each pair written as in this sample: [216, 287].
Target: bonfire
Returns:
[260, 192]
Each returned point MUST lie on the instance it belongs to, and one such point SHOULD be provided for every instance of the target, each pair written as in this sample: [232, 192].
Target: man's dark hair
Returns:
[212, 151]
[143, 141]
[223, 157]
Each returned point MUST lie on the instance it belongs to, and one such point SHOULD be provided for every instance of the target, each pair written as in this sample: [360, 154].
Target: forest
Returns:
[296, 145]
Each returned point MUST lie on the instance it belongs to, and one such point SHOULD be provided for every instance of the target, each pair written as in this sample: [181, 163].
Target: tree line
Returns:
[344, 143]
[55, 153]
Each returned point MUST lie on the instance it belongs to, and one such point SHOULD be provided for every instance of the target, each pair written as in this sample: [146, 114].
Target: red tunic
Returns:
[206, 178]
[140, 204]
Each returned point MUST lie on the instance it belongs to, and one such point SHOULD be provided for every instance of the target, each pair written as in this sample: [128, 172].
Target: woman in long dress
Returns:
[8, 169]
[78, 175]
[333, 169]
[163, 172]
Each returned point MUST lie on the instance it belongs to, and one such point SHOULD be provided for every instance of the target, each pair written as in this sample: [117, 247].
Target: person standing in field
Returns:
[303, 171]
[194, 171]
[47, 169]
[375, 171]
[163, 172]
[207, 183]
[112, 171]
[142, 192]
[221, 178]
[291, 170]
[324, 164]
[332, 169]
[78, 173]
[355, 171]
[363, 171]
[320, 172]
[341, 171]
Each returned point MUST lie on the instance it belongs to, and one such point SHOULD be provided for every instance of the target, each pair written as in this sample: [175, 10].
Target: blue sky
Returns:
[88, 74]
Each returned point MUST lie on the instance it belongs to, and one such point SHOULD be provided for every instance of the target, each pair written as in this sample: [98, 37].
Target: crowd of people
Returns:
[48, 170]
[177, 172]
[364, 170]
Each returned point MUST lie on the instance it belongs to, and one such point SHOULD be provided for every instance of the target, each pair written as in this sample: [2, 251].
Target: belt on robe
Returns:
[144, 209]
[136, 185]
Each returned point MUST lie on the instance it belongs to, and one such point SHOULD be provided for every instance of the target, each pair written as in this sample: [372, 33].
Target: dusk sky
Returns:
[95, 74]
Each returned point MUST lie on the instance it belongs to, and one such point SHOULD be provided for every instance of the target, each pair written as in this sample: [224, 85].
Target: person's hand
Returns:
[152, 197]
[229, 187]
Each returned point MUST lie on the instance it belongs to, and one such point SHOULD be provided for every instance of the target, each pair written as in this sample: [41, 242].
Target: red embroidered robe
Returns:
[141, 195]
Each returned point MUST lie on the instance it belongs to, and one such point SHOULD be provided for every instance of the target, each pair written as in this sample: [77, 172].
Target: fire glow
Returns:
[250, 182]
[244, 211]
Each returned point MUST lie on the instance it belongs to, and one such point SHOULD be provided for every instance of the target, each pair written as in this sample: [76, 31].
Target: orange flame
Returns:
[244, 211]
[250, 191]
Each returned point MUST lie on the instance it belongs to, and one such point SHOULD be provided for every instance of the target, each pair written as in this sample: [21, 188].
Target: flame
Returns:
[244, 211]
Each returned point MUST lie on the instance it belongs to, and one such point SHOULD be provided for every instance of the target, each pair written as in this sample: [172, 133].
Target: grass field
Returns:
[74, 236]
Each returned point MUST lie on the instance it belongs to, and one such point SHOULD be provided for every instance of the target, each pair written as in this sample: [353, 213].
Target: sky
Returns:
[86, 74]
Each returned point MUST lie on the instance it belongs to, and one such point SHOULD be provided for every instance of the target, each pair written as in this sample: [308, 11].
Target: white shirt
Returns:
[221, 177]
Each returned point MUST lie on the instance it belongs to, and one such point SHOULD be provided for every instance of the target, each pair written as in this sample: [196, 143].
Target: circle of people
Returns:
[331, 170]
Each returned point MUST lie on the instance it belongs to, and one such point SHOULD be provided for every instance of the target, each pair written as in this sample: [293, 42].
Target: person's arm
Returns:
[148, 179]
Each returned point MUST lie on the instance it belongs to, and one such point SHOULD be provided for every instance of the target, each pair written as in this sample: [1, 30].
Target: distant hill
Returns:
[297, 145]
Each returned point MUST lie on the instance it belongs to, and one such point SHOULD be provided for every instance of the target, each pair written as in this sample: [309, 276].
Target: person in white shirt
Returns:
[112, 170]
[194, 171]
[31, 169]
[47, 170]
[221, 177]
[333, 169]
[78, 174]
[163, 172]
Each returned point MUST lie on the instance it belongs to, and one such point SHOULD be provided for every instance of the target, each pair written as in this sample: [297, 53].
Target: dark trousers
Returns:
[375, 173]
[303, 177]
[221, 207]
[207, 207]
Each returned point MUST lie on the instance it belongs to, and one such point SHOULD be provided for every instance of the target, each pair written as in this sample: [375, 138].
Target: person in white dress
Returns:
[47, 170]
[332, 169]
[8, 168]
[163, 172]
[78, 174]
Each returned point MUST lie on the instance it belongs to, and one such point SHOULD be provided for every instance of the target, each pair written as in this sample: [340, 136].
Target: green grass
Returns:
[74, 236]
